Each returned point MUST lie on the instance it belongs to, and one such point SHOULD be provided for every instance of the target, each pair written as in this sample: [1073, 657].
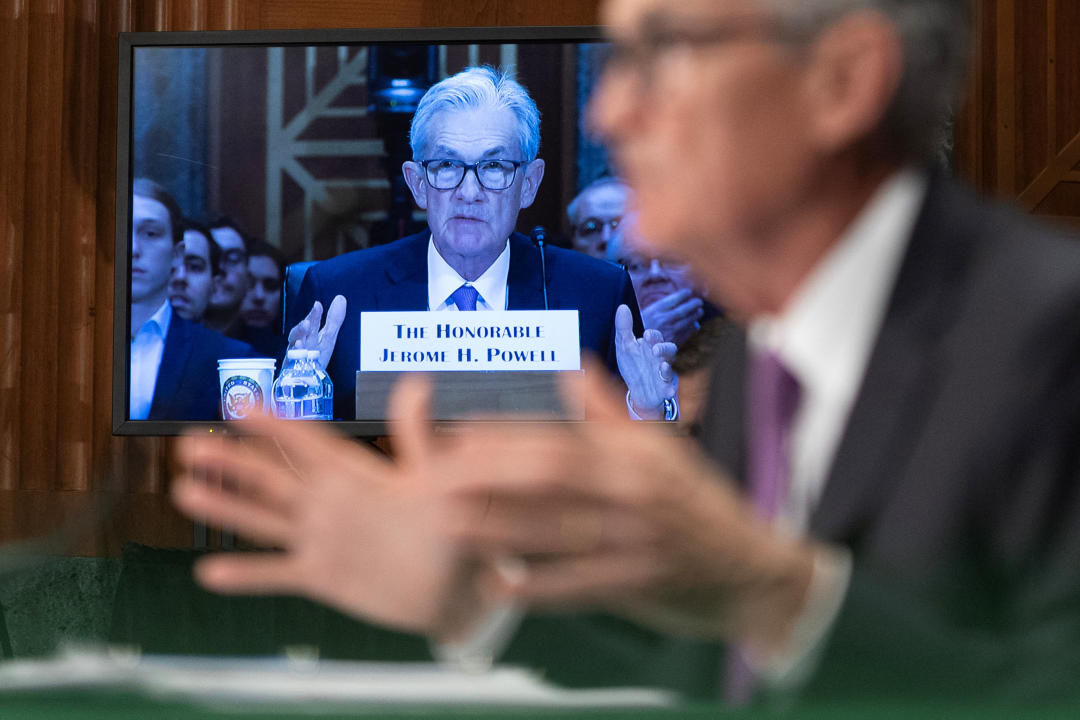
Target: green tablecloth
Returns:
[65, 705]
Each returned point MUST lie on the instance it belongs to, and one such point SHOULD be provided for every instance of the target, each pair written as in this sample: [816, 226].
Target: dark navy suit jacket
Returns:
[394, 277]
[187, 385]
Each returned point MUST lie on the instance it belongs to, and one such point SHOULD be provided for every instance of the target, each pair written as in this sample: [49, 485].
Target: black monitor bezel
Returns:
[128, 43]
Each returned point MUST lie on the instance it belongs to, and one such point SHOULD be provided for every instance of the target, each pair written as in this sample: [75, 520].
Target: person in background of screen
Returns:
[475, 138]
[260, 312]
[666, 290]
[196, 262]
[232, 284]
[173, 359]
[901, 520]
[595, 214]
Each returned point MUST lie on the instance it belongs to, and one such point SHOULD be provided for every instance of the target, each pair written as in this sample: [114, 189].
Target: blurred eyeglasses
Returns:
[638, 56]
[492, 174]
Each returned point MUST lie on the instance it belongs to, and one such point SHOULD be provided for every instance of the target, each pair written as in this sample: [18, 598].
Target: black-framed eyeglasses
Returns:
[594, 226]
[447, 174]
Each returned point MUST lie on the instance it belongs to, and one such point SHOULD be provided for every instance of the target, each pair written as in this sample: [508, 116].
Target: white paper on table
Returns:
[279, 680]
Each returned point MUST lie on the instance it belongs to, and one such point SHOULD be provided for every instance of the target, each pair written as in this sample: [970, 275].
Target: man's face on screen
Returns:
[709, 132]
[231, 285]
[151, 249]
[598, 213]
[263, 298]
[470, 223]
[192, 278]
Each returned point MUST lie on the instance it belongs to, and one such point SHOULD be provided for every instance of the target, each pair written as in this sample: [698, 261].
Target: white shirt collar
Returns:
[444, 280]
[827, 330]
[147, 349]
[161, 318]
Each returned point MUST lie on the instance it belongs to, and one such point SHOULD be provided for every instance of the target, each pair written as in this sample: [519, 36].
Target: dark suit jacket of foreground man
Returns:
[394, 277]
[956, 484]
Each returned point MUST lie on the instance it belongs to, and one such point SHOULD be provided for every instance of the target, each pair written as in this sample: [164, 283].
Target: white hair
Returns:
[473, 88]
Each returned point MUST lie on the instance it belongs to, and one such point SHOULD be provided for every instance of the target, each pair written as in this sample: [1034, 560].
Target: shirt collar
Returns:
[443, 280]
[825, 332]
[159, 322]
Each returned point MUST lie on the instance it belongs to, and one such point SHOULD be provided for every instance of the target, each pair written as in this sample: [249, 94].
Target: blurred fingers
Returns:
[602, 578]
[312, 449]
[228, 510]
[409, 409]
[248, 573]
[259, 473]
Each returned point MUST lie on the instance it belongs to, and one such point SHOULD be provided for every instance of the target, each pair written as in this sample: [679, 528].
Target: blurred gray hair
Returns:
[935, 35]
[475, 88]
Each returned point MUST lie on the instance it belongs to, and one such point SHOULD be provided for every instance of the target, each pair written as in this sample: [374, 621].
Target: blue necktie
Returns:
[465, 297]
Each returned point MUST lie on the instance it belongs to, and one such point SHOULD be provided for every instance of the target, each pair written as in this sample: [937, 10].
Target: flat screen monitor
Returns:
[287, 146]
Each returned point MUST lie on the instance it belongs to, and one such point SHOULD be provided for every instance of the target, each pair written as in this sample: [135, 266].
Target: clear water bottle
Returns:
[326, 409]
[298, 389]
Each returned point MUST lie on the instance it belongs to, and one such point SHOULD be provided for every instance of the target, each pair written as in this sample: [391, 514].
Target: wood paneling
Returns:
[1018, 136]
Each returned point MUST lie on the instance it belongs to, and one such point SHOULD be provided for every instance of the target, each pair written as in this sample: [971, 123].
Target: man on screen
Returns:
[475, 138]
[196, 265]
[173, 359]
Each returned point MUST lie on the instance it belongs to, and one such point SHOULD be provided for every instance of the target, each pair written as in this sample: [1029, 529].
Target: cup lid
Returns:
[255, 363]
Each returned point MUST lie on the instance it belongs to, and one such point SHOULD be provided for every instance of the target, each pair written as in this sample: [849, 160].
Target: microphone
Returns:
[539, 235]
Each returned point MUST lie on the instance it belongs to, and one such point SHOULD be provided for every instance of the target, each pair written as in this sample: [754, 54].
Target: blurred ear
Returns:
[853, 75]
[533, 174]
[414, 178]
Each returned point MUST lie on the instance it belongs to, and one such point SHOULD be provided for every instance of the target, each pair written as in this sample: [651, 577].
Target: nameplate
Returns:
[477, 341]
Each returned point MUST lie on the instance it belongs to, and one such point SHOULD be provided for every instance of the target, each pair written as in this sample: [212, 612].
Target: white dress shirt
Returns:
[824, 337]
[147, 348]
[443, 280]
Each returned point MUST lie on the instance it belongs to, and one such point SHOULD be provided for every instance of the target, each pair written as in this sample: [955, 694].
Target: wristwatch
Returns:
[671, 409]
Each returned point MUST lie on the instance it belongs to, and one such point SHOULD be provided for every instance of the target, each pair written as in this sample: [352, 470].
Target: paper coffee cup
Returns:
[246, 385]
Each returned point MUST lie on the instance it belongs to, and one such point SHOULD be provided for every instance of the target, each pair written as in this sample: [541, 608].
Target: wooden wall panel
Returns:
[14, 90]
[1018, 135]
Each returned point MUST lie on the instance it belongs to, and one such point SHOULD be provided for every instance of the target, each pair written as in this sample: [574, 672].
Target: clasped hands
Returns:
[608, 514]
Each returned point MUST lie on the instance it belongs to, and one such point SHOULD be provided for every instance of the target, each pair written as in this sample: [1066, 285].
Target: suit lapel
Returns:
[722, 429]
[902, 378]
[406, 277]
[523, 286]
[173, 360]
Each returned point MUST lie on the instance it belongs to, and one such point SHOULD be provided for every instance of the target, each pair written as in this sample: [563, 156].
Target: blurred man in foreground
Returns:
[891, 505]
